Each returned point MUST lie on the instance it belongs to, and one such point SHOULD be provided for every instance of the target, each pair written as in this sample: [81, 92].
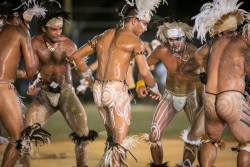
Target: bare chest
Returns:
[52, 55]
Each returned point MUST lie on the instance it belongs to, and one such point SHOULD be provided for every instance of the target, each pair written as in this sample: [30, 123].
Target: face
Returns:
[176, 44]
[140, 26]
[53, 33]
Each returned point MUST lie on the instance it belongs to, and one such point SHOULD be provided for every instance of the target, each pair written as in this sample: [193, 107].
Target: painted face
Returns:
[176, 44]
[54, 33]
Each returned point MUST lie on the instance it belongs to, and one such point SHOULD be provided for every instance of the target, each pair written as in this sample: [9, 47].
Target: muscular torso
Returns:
[114, 52]
[178, 83]
[9, 53]
[226, 65]
[53, 64]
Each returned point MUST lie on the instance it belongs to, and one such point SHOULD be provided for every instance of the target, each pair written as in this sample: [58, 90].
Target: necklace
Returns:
[51, 48]
[185, 56]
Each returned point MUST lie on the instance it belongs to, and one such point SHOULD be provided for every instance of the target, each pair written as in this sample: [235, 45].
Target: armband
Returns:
[139, 84]
[155, 89]
[145, 53]
[92, 44]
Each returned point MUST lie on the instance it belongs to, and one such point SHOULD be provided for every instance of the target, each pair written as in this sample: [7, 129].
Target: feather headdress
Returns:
[30, 8]
[173, 30]
[145, 8]
[54, 10]
[218, 16]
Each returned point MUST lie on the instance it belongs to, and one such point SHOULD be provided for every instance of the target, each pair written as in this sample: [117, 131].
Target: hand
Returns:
[90, 81]
[33, 90]
[154, 95]
[142, 92]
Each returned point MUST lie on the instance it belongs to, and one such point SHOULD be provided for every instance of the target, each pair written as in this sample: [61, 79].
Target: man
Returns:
[115, 48]
[180, 92]
[15, 39]
[56, 92]
[226, 59]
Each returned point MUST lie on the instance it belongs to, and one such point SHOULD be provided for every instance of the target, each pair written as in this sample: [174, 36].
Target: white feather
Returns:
[184, 137]
[210, 13]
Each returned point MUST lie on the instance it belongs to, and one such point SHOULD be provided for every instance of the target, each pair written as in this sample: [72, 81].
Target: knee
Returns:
[154, 135]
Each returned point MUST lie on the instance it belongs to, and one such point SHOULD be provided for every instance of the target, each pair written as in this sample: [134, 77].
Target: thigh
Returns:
[231, 107]
[198, 126]
[191, 107]
[39, 111]
[11, 114]
[162, 117]
[120, 115]
[74, 112]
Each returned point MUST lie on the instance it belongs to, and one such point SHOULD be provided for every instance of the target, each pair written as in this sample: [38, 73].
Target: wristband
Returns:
[139, 84]
[154, 89]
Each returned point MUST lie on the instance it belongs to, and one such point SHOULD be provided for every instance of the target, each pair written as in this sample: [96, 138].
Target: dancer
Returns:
[54, 51]
[226, 58]
[180, 92]
[115, 49]
[16, 39]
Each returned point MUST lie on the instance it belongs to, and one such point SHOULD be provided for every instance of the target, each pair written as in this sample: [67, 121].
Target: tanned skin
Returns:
[15, 40]
[227, 62]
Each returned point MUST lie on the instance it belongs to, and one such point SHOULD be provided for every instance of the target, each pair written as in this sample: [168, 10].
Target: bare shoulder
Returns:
[37, 41]
[191, 48]
[67, 42]
[106, 34]
[109, 31]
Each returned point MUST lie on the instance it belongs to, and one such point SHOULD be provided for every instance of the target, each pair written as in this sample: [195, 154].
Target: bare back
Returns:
[226, 65]
[13, 39]
[119, 55]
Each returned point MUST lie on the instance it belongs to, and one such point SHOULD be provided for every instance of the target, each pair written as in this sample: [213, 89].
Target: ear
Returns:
[43, 29]
[133, 20]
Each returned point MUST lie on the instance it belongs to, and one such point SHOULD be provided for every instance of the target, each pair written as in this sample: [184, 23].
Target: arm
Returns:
[197, 61]
[82, 52]
[30, 59]
[94, 66]
[143, 67]
[21, 74]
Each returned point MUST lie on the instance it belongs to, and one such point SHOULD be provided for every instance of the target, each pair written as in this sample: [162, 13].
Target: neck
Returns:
[129, 27]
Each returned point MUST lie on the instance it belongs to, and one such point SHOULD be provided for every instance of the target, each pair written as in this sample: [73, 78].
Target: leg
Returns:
[192, 138]
[115, 98]
[232, 107]
[214, 127]
[11, 117]
[76, 117]
[163, 116]
[104, 112]
[38, 112]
